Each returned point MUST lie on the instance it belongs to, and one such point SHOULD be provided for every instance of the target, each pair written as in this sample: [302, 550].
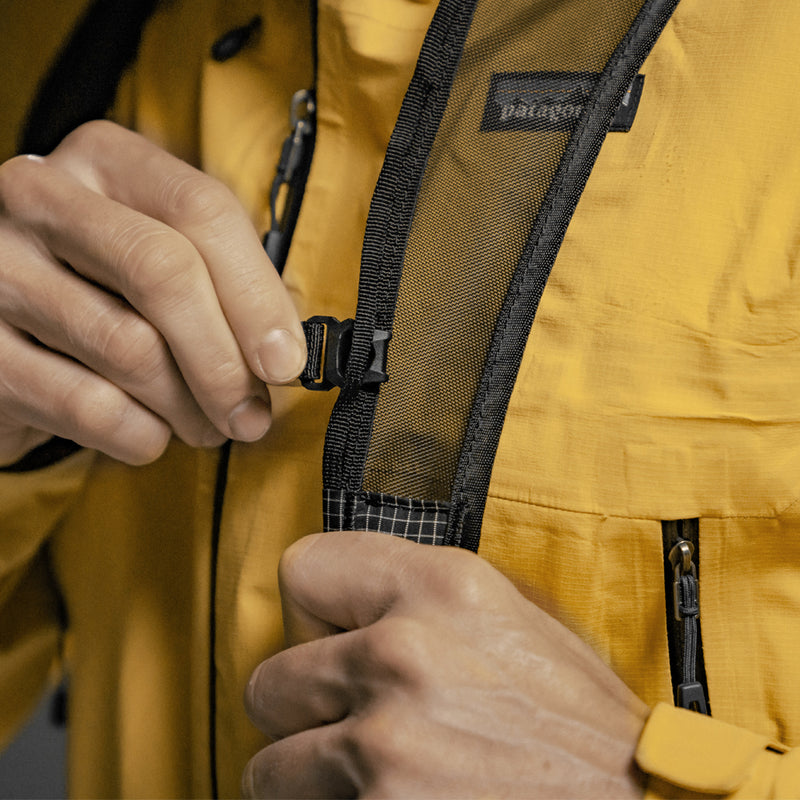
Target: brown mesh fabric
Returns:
[480, 194]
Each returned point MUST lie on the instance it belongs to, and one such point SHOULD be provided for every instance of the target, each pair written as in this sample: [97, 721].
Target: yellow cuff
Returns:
[689, 754]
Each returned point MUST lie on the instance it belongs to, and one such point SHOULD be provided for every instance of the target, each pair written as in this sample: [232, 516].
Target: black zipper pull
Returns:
[290, 178]
[689, 693]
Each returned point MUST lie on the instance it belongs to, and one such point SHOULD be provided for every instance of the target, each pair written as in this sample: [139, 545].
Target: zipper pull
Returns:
[686, 608]
[290, 178]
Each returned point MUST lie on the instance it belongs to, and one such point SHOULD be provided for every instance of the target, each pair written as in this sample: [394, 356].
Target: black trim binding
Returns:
[471, 482]
[216, 528]
[388, 227]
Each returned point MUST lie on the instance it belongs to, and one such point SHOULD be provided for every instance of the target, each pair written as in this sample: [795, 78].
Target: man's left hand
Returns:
[416, 671]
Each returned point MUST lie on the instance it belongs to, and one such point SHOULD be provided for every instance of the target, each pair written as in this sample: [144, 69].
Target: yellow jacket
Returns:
[661, 381]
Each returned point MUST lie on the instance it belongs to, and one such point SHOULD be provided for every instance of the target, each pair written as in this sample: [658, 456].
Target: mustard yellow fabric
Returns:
[700, 754]
[661, 380]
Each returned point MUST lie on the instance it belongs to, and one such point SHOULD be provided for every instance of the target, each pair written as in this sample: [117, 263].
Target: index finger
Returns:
[131, 170]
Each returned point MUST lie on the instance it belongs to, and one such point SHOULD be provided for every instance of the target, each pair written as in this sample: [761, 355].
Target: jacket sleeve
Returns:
[31, 619]
[686, 754]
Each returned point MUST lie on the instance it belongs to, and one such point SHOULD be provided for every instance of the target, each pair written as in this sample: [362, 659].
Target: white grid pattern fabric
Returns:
[423, 521]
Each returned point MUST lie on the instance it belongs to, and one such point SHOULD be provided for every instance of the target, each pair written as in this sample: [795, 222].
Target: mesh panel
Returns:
[517, 94]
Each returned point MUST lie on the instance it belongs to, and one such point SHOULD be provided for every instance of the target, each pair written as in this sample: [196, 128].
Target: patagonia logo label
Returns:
[549, 101]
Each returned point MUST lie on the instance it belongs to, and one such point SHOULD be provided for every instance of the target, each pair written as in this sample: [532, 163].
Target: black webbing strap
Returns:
[314, 330]
[387, 230]
[82, 82]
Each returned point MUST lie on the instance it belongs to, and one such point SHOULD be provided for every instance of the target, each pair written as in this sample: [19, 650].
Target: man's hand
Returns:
[415, 671]
[136, 302]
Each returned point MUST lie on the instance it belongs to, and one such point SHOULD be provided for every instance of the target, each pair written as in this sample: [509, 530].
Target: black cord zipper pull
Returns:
[686, 603]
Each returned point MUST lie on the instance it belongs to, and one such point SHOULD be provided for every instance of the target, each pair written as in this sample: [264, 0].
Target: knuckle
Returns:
[259, 774]
[291, 564]
[398, 648]
[288, 569]
[226, 381]
[195, 198]
[220, 382]
[148, 449]
[100, 413]
[129, 345]
[94, 406]
[203, 435]
[461, 578]
[378, 745]
[88, 137]
[249, 286]
[20, 185]
[158, 267]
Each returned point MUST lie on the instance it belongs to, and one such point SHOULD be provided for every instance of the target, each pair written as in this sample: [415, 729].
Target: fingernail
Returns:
[281, 357]
[250, 420]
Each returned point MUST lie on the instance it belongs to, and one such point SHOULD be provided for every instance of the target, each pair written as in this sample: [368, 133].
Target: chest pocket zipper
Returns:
[681, 540]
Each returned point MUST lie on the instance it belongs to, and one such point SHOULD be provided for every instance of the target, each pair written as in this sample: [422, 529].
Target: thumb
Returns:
[338, 581]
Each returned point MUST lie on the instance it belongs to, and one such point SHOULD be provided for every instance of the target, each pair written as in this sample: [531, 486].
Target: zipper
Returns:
[681, 541]
[287, 190]
[294, 164]
[216, 527]
[289, 184]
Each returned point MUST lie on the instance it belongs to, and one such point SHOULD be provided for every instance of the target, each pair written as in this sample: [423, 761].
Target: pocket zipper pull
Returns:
[686, 608]
[290, 177]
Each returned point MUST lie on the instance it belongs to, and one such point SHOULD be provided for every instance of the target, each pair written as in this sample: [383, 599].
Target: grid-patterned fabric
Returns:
[421, 521]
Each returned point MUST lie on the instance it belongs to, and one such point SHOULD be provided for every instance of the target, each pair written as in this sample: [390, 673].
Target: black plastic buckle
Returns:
[376, 371]
[331, 355]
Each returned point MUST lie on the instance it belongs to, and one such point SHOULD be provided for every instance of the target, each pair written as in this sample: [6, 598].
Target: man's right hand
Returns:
[136, 302]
